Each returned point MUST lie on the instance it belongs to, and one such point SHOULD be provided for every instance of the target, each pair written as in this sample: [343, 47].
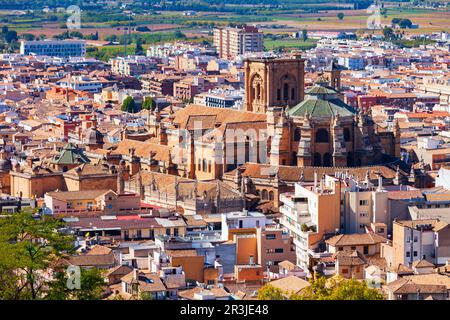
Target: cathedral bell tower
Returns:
[273, 82]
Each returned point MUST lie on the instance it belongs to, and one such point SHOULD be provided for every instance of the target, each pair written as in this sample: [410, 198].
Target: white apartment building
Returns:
[81, 83]
[54, 48]
[232, 42]
[132, 65]
[242, 220]
[364, 204]
[310, 214]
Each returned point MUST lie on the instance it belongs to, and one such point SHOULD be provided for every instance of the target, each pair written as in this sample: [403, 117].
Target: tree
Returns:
[305, 34]
[139, 49]
[11, 36]
[269, 292]
[5, 29]
[388, 33]
[92, 285]
[340, 16]
[340, 289]
[129, 105]
[354, 290]
[405, 23]
[145, 296]
[148, 104]
[29, 246]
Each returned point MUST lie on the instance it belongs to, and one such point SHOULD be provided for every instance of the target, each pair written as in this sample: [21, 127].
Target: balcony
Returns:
[298, 216]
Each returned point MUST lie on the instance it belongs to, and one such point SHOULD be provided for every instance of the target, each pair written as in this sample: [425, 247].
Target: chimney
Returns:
[135, 274]
[380, 182]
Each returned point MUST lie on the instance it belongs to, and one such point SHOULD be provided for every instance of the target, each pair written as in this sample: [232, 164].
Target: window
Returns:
[297, 134]
[363, 202]
[175, 232]
[241, 224]
[286, 91]
[353, 248]
[168, 232]
[408, 254]
[415, 253]
[366, 250]
[347, 136]
[322, 136]
[345, 270]
[279, 250]
[271, 236]
[211, 282]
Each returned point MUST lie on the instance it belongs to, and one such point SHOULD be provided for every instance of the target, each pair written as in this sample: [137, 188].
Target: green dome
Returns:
[321, 108]
[321, 89]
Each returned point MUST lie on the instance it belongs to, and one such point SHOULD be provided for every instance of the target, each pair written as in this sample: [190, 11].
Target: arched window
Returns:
[271, 195]
[209, 166]
[264, 195]
[204, 165]
[327, 162]
[347, 135]
[297, 134]
[286, 91]
[317, 160]
[293, 93]
[322, 135]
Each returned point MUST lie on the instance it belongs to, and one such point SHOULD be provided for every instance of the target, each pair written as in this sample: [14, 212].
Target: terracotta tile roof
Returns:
[350, 258]
[407, 286]
[190, 294]
[430, 279]
[148, 282]
[293, 174]
[409, 194]
[77, 195]
[98, 249]
[422, 264]
[356, 239]
[94, 260]
[88, 169]
[291, 284]
[436, 224]
[143, 149]
[222, 115]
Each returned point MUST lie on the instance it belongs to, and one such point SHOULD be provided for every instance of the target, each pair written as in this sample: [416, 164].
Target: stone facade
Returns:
[271, 82]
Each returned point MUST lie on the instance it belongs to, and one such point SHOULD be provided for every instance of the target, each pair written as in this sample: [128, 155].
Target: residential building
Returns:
[310, 215]
[54, 48]
[232, 42]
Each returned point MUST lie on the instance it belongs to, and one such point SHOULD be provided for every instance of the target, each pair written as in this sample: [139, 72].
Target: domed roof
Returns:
[318, 108]
[322, 102]
[70, 154]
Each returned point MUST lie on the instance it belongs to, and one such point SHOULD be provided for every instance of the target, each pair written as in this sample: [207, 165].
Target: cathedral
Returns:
[316, 127]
